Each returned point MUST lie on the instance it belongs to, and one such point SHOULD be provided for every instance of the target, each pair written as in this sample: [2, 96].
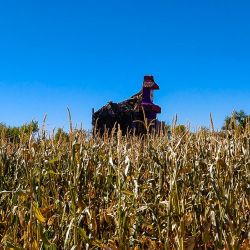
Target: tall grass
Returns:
[126, 192]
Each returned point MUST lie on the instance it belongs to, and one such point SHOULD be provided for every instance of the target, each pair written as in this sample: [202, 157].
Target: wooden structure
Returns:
[151, 110]
[131, 113]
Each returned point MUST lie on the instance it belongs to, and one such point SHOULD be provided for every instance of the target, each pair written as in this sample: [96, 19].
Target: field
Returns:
[124, 192]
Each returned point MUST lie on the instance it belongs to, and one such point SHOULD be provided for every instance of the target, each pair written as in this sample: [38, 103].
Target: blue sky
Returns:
[82, 54]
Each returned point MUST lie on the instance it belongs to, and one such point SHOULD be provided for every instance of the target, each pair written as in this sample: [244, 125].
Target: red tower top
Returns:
[150, 83]
[148, 88]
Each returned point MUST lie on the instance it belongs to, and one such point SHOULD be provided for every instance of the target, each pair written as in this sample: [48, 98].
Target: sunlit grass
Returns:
[126, 192]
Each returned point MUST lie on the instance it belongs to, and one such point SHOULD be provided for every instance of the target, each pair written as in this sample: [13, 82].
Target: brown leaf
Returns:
[190, 243]
[245, 245]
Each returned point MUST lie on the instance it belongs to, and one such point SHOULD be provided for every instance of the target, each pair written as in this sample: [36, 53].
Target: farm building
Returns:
[131, 113]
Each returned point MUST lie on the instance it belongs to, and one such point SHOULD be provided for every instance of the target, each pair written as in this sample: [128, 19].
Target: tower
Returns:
[151, 110]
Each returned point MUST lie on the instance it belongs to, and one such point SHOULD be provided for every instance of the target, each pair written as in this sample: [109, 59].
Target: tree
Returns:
[14, 133]
[180, 129]
[61, 135]
[237, 119]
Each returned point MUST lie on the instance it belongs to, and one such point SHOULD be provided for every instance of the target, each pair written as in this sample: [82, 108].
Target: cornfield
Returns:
[190, 191]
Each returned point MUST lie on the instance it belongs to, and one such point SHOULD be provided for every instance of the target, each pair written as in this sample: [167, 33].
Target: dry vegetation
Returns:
[125, 192]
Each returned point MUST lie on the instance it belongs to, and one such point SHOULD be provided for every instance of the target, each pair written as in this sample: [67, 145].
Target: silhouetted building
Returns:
[130, 114]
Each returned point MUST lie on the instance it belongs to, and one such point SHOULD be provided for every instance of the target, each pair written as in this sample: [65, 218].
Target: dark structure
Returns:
[130, 114]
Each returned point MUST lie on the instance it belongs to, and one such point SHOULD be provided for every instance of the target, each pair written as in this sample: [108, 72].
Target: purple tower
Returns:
[151, 110]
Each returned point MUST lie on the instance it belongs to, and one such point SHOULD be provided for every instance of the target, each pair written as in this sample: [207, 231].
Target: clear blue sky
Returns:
[81, 54]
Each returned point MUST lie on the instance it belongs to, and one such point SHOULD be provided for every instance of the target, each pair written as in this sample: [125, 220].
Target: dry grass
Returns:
[115, 192]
